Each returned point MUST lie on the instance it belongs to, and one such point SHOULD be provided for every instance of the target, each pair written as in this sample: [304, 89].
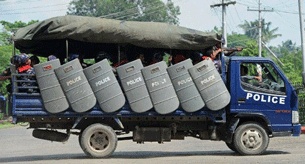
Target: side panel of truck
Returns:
[27, 106]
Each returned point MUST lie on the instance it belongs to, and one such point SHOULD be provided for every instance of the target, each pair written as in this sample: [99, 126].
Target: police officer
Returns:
[24, 67]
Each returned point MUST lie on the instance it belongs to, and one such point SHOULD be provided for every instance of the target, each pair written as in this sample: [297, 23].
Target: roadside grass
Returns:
[6, 125]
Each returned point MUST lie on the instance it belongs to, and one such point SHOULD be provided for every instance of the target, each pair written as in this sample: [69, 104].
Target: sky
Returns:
[195, 14]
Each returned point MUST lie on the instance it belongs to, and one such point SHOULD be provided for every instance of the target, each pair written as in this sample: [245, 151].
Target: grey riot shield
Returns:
[185, 88]
[105, 86]
[134, 86]
[75, 86]
[160, 88]
[210, 85]
[53, 97]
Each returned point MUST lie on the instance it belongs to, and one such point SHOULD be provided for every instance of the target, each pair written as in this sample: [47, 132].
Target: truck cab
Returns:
[263, 94]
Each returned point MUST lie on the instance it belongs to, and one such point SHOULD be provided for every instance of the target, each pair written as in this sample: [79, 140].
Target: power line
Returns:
[16, 13]
[7, 3]
[260, 25]
[35, 7]
[150, 12]
[224, 4]
[147, 13]
[136, 7]
[32, 12]
[288, 12]
[133, 8]
[216, 12]
[136, 13]
[252, 3]
[238, 14]
[284, 11]
[289, 23]
[289, 5]
[282, 3]
[235, 27]
[245, 4]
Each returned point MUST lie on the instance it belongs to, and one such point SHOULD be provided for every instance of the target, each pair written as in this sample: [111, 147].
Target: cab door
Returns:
[265, 97]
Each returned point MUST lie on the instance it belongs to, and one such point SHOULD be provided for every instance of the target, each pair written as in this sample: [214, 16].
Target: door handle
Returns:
[241, 100]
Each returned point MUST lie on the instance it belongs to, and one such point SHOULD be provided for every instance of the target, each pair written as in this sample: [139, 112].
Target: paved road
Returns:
[18, 146]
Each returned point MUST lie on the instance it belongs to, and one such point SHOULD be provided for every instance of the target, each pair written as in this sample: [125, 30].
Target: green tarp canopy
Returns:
[49, 36]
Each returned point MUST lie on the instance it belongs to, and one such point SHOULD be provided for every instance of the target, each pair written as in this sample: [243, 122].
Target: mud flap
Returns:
[230, 129]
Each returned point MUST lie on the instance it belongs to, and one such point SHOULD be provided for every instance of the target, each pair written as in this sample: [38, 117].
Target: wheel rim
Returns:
[251, 139]
[99, 141]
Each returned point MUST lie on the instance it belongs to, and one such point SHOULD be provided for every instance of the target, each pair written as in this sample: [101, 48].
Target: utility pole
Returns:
[224, 25]
[302, 37]
[259, 26]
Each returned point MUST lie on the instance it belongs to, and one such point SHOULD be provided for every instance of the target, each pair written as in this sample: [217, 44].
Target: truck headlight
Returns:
[295, 117]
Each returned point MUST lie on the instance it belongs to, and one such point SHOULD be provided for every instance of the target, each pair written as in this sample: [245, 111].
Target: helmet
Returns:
[23, 59]
[51, 57]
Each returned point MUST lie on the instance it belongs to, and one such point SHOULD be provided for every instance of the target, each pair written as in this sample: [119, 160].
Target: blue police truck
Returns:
[244, 101]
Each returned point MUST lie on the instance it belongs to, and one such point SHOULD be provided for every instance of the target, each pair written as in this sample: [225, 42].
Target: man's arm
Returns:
[248, 78]
[2, 78]
[6, 74]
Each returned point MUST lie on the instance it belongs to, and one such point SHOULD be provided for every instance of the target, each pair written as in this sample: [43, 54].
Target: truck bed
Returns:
[31, 105]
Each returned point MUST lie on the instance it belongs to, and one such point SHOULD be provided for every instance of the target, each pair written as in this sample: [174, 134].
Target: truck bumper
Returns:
[296, 129]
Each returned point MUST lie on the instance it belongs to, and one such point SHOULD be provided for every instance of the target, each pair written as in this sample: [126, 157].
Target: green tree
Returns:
[238, 40]
[251, 49]
[6, 46]
[10, 29]
[287, 47]
[217, 30]
[13, 27]
[5, 55]
[137, 10]
[292, 66]
[251, 30]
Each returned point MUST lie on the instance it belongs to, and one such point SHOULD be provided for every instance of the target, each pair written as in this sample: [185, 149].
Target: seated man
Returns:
[158, 56]
[80, 58]
[142, 58]
[244, 77]
[34, 60]
[104, 55]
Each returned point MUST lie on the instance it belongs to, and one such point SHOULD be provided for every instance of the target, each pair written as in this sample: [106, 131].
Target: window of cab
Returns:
[261, 77]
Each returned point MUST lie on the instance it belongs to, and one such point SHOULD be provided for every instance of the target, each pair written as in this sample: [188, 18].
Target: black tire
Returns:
[250, 139]
[98, 141]
[231, 146]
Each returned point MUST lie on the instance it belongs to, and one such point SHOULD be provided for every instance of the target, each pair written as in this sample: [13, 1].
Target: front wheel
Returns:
[98, 140]
[250, 139]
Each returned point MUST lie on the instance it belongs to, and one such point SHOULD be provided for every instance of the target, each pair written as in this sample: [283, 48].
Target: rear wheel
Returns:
[98, 140]
[250, 139]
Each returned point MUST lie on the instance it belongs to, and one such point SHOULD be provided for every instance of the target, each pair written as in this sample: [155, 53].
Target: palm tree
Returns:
[251, 30]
